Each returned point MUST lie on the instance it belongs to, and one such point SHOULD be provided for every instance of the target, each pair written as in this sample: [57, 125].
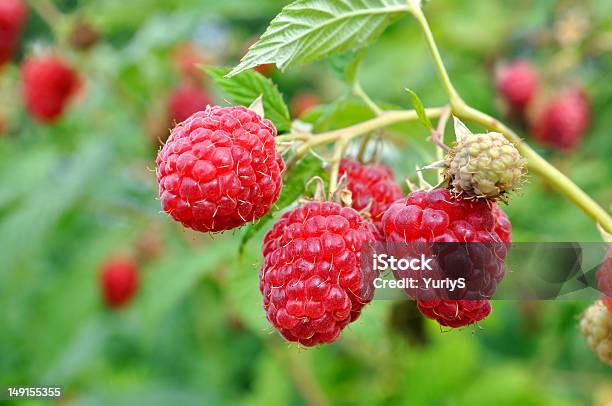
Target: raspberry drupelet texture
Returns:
[311, 278]
[604, 279]
[119, 281]
[518, 83]
[13, 14]
[185, 100]
[503, 227]
[564, 120]
[484, 166]
[437, 217]
[455, 313]
[48, 85]
[219, 169]
[596, 326]
[371, 186]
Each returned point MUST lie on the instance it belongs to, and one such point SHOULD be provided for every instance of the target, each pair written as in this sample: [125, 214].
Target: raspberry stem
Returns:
[535, 162]
[462, 110]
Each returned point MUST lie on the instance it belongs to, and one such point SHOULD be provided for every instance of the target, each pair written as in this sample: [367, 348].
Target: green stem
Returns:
[453, 95]
[386, 119]
[359, 92]
[541, 167]
[536, 163]
[339, 150]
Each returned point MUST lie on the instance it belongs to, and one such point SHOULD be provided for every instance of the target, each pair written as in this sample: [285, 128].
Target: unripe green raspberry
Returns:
[484, 166]
[596, 326]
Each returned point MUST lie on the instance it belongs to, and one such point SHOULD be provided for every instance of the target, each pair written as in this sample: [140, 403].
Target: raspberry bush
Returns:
[250, 241]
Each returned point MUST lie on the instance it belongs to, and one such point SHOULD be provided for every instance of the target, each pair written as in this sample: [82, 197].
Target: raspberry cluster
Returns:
[372, 187]
[437, 217]
[311, 277]
[559, 120]
[219, 169]
[13, 14]
[119, 281]
[48, 85]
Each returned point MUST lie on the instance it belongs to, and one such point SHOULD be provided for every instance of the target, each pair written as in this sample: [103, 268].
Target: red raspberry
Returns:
[604, 280]
[13, 14]
[372, 185]
[518, 83]
[564, 121]
[119, 281]
[503, 227]
[219, 169]
[436, 216]
[302, 102]
[185, 100]
[311, 277]
[48, 85]
[455, 313]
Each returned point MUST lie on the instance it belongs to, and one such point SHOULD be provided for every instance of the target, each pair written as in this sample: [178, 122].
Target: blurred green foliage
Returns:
[83, 189]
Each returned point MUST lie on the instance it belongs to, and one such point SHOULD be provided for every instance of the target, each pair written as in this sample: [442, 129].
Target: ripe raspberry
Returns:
[119, 281]
[302, 102]
[185, 100]
[518, 83]
[13, 14]
[484, 166]
[219, 169]
[503, 227]
[48, 85]
[311, 277]
[596, 326]
[564, 121]
[371, 185]
[438, 217]
[455, 313]
[604, 279]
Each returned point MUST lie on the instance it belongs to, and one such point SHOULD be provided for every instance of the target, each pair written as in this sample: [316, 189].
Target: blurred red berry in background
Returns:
[517, 83]
[185, 100]
[302, 102]
[13, 14]
[48, 85]
[564, 120]
[119, 279]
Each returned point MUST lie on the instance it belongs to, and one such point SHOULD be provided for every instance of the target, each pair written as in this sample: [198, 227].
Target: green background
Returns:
[83, 189]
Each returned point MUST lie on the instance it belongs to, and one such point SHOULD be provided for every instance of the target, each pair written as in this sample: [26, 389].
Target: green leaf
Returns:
[307, 30]
[247, 87]
[420, 110]
[293, 187]
[345, 65]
